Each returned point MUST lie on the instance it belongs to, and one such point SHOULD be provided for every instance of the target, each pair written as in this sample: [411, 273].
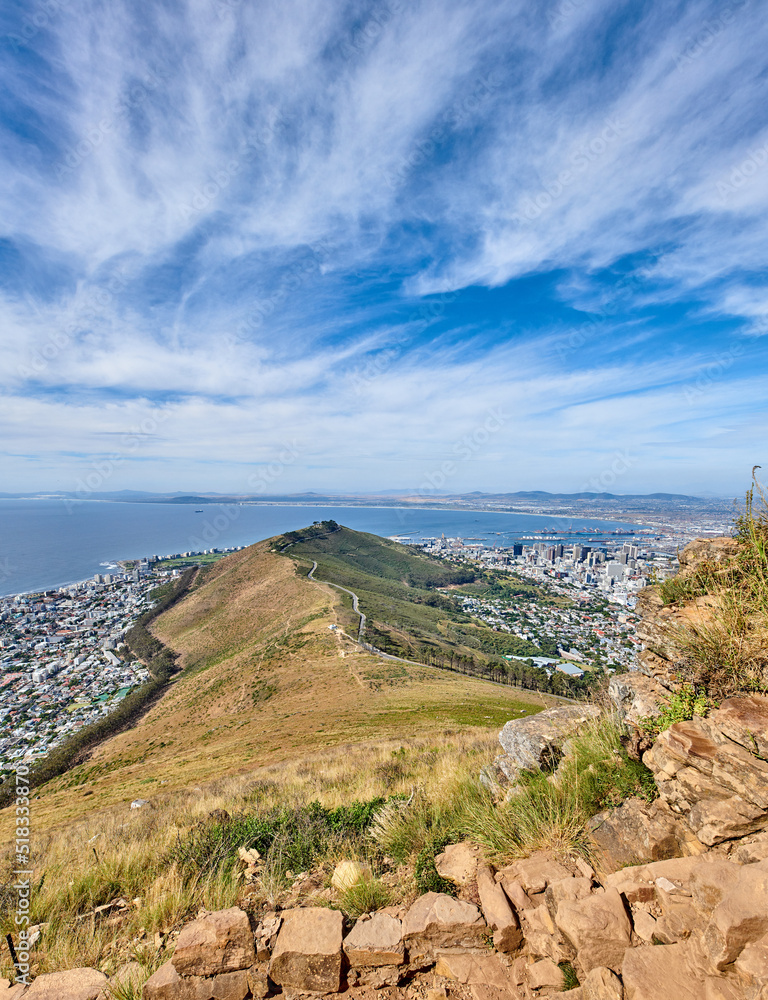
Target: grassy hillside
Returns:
[264, 679]
[412, 602]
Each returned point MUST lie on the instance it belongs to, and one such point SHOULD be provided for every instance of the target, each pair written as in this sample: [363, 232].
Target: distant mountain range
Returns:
[142, 496]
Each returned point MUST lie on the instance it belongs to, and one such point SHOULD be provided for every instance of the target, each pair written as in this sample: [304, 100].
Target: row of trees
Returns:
[520, 673]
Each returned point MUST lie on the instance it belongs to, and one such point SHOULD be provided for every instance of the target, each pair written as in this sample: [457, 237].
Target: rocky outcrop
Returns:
[437, 922]
[716, 785]
[536, 742]
[307, 955]
[221, 942]
[685, 927]
[639, 831]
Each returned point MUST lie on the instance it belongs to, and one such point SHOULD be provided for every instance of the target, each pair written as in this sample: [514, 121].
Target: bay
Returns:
[46, 544]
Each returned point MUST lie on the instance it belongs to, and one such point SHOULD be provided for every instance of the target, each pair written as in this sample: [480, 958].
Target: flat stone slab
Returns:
[307, 953]
[74, 984]
[375, 942]
[651, 972]
[219, 942]
[437, 921]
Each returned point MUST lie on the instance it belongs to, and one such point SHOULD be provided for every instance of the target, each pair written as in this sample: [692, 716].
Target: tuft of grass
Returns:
[726, 653]
[365, 896]
[550, 812]
[570, 979]
[681, 589]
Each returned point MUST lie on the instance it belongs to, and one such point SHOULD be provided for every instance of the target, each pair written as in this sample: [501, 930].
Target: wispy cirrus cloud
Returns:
[368, 223]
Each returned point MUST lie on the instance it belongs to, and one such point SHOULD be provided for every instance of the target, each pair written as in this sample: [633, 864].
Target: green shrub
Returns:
[428, 879]
[680, 706]
[301, 834]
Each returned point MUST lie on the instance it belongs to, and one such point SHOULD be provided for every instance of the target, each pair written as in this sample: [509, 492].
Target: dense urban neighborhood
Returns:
[63, 661]
[592, 626]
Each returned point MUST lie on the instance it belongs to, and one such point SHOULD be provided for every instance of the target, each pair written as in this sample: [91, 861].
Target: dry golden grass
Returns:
[265, 681]
[118, 852]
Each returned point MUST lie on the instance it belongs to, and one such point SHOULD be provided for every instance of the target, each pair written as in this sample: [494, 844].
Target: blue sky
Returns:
[307, 244]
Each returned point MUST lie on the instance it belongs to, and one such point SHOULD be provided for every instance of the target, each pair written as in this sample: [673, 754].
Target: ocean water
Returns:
[49, 543]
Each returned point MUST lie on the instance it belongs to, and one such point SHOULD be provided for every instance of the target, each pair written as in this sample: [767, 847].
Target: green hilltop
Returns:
[413, 608]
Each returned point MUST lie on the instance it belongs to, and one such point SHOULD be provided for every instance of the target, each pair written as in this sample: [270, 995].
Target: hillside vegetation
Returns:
[413, 607]
[724, 647]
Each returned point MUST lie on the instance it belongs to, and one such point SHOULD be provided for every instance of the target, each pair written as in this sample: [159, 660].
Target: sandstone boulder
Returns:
[661, 973]
[375, 942]
[167, 984]
[498, 912]
[8, 992]
[436, 922]
[533, 873]
[635, 831]
[717, 786]
[219, 942]
[711, 880]
[533, 743]
[602, 984]
[644, 925]
[474, 970]
[543, 938]
[599, 929]
[565, 890]
[745, 721]
[740, 918]
[545, 973]
[75, 984]
[458, 862]
[718, 550]
[752, 963]
[636, 696]
[307, 954]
